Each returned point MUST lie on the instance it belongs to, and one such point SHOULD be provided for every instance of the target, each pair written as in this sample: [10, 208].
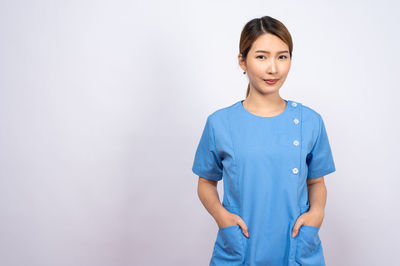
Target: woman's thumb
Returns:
[243, 225]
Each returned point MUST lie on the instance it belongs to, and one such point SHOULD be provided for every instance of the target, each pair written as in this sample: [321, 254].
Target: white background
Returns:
[102, 104]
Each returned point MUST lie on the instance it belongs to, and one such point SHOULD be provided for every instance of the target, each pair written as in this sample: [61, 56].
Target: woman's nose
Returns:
[272, 67]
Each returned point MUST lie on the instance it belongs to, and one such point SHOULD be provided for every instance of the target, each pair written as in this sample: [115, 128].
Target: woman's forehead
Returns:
[269, 43]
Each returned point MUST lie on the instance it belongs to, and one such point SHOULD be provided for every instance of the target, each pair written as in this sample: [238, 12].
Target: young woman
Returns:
[272, 155]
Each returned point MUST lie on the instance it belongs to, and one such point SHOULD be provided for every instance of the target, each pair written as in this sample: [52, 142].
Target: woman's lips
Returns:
[271, 81]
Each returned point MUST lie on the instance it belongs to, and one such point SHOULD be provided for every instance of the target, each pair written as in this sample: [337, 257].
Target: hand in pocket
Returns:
[231, 219]
[313, 219]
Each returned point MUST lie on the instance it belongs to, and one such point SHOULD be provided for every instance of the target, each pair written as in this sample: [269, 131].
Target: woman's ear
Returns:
[242, 62]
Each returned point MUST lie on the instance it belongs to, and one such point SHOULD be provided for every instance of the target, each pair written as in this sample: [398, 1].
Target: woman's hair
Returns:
[259, 26]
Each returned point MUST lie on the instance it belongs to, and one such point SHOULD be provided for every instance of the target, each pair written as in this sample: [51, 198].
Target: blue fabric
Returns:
[264, 163]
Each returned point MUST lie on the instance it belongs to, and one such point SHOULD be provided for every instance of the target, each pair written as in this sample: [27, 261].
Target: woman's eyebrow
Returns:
[267, 52]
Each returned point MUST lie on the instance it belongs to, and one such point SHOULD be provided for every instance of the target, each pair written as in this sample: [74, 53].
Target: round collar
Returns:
[289, 104]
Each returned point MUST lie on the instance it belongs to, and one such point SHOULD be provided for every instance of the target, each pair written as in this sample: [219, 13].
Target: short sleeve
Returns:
[207, 163]
[320, 160]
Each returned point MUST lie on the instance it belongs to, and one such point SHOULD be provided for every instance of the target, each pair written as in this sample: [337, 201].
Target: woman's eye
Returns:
[284, 56]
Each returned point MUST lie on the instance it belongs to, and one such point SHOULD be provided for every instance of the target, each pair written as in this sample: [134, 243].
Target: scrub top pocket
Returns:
[229, 246]
[309, 249]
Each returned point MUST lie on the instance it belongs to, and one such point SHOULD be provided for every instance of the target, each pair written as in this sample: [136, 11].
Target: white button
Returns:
[296, 121]
[295, 170]
[294, 104]
[296, 143]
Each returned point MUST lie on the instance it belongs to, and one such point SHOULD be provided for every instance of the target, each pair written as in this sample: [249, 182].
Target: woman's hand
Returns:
[312, 218]
[229, 219]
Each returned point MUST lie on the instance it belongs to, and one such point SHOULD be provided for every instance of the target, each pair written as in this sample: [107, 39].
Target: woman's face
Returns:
[268, 58]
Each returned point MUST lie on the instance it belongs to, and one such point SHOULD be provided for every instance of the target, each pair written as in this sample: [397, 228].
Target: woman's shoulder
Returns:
[222, 113]
[310, 112]
[312, 118]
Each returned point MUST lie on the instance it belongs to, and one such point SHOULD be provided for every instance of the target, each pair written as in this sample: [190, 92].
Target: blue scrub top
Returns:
[264, 163]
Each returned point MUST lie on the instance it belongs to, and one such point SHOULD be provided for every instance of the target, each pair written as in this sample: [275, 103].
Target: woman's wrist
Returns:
[319, 212]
